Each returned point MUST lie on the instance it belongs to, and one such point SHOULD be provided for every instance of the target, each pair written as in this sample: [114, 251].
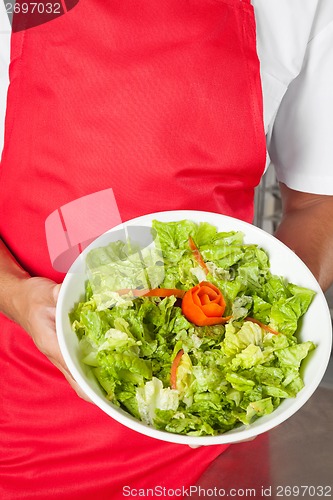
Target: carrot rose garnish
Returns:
[204, 305]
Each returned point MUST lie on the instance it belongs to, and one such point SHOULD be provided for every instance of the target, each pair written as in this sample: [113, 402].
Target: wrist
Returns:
[35, 299]
[14, 297]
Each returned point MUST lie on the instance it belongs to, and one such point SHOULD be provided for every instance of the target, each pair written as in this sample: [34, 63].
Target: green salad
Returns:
[193, 334]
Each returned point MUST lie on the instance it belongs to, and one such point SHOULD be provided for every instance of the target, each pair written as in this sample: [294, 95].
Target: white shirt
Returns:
[295, 48]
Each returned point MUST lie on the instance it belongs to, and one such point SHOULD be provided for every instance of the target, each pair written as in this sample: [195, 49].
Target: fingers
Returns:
[58, 361]
[76, 386]
[60, 364]
[39, 301]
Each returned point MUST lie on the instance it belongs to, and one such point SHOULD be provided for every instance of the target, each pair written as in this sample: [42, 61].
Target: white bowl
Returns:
[316, 326]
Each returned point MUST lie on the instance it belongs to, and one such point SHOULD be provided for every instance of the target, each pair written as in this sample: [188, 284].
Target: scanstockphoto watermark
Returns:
[26, 14]
[190, 491]
[276, 491]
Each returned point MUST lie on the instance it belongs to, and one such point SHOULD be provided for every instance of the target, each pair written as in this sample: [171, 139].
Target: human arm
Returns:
[30, 302]
[299, 138]
[307, 228]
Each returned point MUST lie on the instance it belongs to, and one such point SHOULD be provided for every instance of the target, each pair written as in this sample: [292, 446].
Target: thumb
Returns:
[56, 290]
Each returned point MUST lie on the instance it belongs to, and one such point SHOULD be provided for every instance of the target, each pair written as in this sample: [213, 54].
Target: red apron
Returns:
[162, 102]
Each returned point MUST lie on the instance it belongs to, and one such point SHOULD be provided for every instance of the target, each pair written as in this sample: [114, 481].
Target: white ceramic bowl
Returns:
[316, 326]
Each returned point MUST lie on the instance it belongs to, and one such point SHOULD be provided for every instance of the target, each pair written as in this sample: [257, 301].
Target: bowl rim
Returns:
[242, 432]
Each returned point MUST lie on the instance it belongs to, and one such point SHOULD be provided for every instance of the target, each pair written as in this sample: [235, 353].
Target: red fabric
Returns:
[160, 101]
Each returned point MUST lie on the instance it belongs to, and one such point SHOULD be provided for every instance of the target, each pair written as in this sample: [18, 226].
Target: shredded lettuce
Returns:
[230, 374]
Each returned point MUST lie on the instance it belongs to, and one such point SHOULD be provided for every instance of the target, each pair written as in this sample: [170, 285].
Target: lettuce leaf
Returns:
[229, 374]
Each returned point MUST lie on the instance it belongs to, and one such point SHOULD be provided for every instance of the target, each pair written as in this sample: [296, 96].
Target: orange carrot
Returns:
[165, 292]
[174, 368]
[197, 255]
[204, 305]
[262, 325]
[154, 292]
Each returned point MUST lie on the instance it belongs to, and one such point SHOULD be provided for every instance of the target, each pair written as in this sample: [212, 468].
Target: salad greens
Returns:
[229, 374]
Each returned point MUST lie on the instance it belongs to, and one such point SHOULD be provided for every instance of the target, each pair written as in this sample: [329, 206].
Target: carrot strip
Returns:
[154, 292]
[174, 368]
[197, 255]
[165, 292]
[262, 325]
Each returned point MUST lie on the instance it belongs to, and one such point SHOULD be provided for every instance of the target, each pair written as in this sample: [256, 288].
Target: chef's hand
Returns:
[37, 299]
